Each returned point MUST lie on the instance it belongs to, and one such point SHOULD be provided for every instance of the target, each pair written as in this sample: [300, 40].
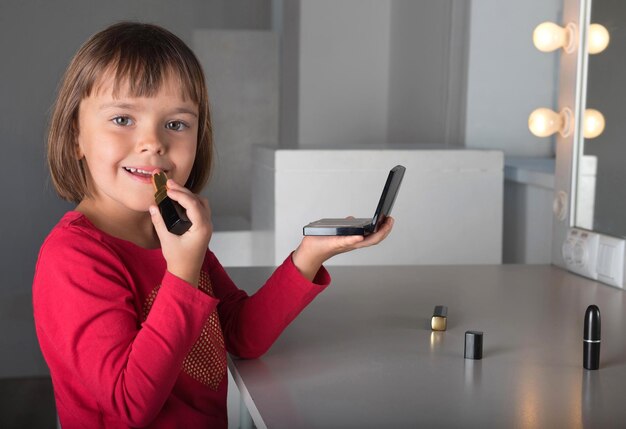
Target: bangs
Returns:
[140, 78]
[142, 60]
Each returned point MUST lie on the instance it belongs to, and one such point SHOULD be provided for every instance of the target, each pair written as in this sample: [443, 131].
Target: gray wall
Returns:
[242, 76]
[289, 74]
[373, 73]
[427, 71]
[344, 55]
[508, 77]
[37, 39]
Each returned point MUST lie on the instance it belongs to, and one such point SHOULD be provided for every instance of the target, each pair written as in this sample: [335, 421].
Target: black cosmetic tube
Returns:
[591, 338]
[173, 214]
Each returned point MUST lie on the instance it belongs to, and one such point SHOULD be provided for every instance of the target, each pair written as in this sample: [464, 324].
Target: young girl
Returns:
[134, 321]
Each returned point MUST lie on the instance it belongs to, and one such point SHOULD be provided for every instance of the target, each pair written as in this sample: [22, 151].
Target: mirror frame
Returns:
[572, 91]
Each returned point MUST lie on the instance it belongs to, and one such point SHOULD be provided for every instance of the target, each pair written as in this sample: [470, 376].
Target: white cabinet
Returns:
[448, 210]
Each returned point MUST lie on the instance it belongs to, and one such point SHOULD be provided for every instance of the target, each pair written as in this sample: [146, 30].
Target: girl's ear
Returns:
[78, 152]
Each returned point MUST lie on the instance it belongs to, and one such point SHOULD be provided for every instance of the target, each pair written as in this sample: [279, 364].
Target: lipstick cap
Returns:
[592, 323]
[441, 311]
[473, 345]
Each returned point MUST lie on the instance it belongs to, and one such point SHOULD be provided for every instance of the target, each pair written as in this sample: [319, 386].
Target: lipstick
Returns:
[173, 213]
[591, 338]
[439, 319]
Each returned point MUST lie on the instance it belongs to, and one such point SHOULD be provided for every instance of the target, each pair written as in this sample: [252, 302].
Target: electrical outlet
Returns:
[610, 261]
[594, 255]
[580, 252]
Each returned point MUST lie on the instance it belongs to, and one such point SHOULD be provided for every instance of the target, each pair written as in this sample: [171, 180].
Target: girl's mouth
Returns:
[137, 171]
[144, 176]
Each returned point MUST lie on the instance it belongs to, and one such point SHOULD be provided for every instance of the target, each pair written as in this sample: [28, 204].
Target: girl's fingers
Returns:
[185, 198]
[171, 184]
[175, 189]
[197, 211]
[351, 242]
[379, 235]
[157, 221]
[197, 208]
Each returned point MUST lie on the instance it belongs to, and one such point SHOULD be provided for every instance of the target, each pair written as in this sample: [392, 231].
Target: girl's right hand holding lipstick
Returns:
[185, 253]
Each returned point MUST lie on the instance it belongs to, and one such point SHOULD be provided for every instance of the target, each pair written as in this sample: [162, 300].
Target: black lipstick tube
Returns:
[174, 215]
[591, 338]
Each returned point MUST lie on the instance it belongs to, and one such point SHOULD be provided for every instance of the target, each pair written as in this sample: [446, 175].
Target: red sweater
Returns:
[130, 345]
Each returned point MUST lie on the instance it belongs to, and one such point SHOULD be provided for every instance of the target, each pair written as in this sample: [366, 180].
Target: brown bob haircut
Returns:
[140, 55]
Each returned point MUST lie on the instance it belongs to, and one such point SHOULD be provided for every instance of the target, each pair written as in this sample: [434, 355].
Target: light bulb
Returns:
[593, 123]
[544, 122]
[598, 38]
[549, 37]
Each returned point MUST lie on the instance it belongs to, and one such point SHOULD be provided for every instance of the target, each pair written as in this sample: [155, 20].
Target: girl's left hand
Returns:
[313, 251]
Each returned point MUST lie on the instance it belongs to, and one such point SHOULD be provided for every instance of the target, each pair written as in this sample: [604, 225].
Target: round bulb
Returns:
[593, 123]
[544, 122]
[598, 38]
[549, 37]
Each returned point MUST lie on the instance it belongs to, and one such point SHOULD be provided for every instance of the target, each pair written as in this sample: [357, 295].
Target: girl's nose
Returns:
[151, 141]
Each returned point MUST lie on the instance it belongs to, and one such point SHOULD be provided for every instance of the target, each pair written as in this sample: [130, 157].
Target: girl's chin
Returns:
[142, 207]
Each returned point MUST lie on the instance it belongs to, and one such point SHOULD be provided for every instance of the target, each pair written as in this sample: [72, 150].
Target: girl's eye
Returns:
[122, 121]
[176, 125]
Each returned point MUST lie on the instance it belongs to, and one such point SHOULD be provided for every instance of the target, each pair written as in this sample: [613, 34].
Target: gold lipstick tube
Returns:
[439, 322]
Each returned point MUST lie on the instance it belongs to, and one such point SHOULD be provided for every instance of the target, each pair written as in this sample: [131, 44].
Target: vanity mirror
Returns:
[590, 199]
[601, 173]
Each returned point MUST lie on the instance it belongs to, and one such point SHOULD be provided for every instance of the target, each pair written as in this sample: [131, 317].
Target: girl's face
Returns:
[124, 139]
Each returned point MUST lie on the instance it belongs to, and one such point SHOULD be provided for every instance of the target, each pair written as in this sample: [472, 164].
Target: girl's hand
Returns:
[313, 251]
[185, 253]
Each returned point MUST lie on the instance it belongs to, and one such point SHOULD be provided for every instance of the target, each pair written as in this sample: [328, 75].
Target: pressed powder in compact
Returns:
[174, 215]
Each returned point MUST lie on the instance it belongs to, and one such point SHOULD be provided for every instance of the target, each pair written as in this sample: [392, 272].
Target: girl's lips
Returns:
[145, 169]
[140, 174]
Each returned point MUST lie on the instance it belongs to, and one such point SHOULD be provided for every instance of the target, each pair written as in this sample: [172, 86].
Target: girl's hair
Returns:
[140, 55]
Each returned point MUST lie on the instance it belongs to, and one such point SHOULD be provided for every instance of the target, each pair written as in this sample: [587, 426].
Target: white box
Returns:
[448, 209]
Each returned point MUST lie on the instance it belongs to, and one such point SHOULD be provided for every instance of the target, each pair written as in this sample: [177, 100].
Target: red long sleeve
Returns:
[128, 344]
[252, 324]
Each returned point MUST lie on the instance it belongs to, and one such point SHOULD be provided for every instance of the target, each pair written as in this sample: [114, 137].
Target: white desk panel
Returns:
[363, 355]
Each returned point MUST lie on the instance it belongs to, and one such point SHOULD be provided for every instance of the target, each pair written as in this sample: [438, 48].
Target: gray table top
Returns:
[363, 354]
